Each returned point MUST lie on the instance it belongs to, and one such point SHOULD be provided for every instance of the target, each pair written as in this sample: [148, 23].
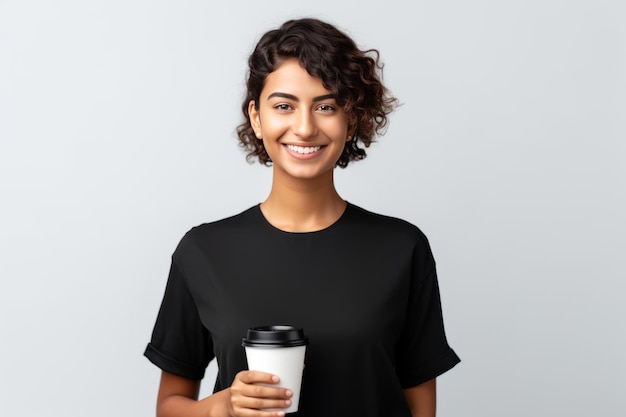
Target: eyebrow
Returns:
[294, 98]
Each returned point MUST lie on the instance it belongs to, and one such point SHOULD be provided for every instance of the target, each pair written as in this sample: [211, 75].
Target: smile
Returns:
[304, 149]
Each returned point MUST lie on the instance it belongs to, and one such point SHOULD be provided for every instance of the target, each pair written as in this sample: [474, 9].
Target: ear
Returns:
[351, 132]
[255, 118]
[351, 128]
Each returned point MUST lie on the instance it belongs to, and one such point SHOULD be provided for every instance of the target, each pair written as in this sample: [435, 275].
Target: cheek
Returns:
[336, 129]
[272, 126]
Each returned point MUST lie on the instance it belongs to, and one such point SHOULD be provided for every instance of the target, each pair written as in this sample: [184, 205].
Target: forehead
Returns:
[291, 77]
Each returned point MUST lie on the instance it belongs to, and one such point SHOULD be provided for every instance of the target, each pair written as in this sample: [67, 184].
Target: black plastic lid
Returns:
[275, 336]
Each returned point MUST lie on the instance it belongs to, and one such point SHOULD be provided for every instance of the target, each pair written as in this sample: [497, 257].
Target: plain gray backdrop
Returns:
[117, 127]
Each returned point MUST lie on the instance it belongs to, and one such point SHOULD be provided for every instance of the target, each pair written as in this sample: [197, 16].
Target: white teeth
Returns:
[304, 149]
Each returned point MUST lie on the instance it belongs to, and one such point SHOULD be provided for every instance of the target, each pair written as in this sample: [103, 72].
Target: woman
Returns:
[363, 286]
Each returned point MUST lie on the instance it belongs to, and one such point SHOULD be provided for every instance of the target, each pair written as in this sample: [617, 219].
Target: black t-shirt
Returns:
[364, 290]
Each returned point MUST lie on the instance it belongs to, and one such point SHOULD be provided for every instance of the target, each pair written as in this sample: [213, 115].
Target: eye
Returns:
[283, 107]
[326, 108]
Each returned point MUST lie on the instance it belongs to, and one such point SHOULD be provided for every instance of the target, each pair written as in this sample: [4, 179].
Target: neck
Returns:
[296, 205]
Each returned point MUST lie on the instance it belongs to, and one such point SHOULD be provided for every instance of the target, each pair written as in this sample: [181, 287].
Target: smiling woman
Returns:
[350, 75]
[303, 129]
[362, 285]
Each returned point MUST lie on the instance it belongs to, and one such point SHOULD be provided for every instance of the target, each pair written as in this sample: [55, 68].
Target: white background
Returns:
[117, 127]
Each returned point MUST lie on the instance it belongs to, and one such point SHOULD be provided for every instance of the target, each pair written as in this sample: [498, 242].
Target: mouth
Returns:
[303, 150]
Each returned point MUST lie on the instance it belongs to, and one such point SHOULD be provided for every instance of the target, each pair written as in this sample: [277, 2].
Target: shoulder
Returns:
[384, 225]
[238, 220]
[212, 233]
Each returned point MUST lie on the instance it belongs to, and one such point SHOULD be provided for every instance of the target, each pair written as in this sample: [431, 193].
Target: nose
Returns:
[304, 124]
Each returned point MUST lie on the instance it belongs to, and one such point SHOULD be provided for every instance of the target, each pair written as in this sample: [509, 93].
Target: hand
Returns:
[249, 399]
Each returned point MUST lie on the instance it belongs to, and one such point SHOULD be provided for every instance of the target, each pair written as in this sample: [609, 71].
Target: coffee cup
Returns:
[278, 350]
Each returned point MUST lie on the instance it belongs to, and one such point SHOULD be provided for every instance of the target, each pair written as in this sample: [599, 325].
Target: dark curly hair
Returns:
[354, 76]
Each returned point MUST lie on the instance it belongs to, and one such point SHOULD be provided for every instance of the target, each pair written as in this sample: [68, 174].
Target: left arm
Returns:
[422, 399]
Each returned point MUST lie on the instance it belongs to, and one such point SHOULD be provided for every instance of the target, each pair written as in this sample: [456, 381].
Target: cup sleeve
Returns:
[180, 343]
[423, 352]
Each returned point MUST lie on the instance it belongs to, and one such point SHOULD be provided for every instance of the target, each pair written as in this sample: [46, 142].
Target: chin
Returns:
[308, 173]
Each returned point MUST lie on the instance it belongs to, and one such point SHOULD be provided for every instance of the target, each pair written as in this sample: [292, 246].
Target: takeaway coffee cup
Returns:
[278, 350]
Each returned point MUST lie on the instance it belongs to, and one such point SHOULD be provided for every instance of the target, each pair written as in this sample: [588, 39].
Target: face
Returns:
[302, 127]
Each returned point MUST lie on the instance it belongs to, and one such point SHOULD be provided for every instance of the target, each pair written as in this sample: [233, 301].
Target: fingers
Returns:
[257, 377]
[250, 397]
[267, 408]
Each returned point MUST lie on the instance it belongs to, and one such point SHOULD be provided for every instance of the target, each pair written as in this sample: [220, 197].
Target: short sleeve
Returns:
[423, 352]
[180, 344]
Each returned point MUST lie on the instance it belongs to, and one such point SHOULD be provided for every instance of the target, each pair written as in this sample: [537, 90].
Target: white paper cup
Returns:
[278, 350]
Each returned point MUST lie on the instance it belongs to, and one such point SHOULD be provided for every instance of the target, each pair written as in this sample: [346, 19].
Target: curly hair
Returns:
[354, 76]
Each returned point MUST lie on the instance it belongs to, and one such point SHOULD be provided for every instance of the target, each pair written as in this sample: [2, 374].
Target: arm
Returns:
[422, 399]
[178, 397]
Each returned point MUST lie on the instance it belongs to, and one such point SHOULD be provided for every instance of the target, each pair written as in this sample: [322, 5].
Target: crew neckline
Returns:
[313, 232]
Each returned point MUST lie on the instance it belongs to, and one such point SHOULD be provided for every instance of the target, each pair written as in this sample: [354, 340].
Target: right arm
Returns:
[178, 397]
